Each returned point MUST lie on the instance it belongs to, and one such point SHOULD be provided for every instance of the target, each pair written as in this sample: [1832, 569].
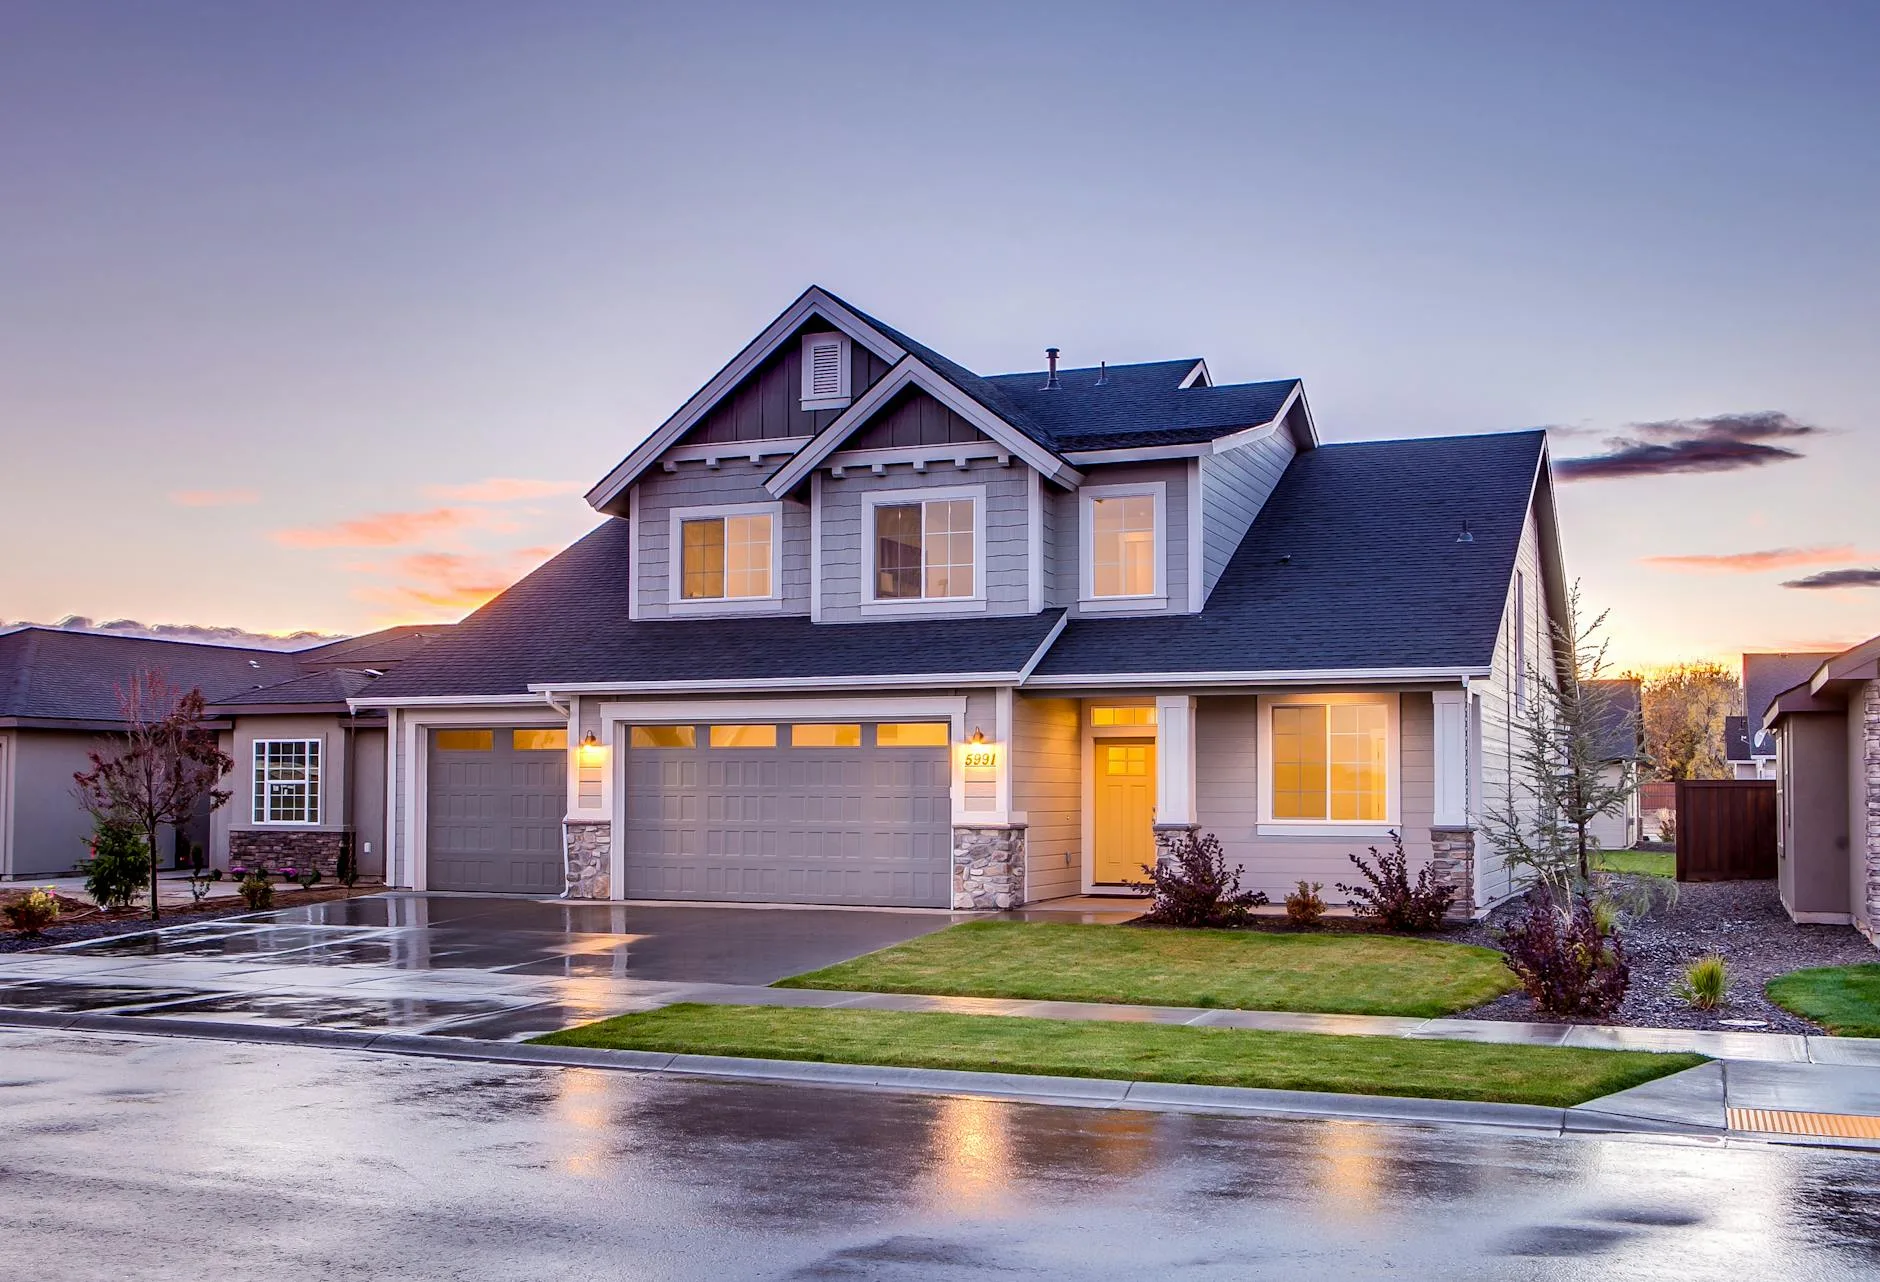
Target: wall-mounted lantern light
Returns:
[593, 751]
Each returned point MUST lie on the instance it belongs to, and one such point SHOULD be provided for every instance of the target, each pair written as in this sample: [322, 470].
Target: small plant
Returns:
[1196, 887]
[257, 891]
[1303, 906]
[1392, 900]
[200, 879]
[119, 864]
[33, 911]
[309, 879]
[1668, 830]
[1568, 966]
[1704, 983]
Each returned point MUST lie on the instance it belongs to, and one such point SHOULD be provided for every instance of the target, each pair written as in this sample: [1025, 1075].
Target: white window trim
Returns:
[1393, 770]
[1087, 600]
[677, 602]
[842, 398]
[974, 604]
[258, 792]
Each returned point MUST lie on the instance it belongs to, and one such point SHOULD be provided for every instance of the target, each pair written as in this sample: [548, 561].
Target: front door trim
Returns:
[1090, 735]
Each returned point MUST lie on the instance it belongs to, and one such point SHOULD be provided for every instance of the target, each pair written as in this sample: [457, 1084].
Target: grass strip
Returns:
[1645, 863]
[1845, 1000]
[1427, 1069]
[1345, 974]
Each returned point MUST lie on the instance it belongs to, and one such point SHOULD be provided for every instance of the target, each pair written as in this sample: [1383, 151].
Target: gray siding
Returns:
[768, 404]
[1047, 788]
[913, 418]
[368, 784]
[1067, 544]
[848, 555]
[51, 831]
[695, 485]
[1234, 486]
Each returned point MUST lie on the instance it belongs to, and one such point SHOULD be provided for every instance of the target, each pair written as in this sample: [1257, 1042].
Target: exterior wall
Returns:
[768, 404]
[1227, 798]
[696, 485]
[913, 418]
[847, 553]
[1812, 865]
[1234, 486]
[368, 814]
[1863, 796]
[1617, 831]
[240, 781]
[51, 831]
[1067, 540]
[1047, 788]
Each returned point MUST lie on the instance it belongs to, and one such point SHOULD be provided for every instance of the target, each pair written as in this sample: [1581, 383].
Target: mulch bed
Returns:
[79, 920]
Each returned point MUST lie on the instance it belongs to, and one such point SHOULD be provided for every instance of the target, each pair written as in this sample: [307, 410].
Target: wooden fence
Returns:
[1726, 829]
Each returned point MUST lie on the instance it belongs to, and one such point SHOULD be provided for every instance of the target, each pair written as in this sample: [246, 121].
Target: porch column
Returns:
[1452, 840]
[1176, 816]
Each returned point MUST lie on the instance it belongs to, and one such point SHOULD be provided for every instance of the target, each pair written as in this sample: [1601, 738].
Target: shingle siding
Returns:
[694, 485]
[1235, 485]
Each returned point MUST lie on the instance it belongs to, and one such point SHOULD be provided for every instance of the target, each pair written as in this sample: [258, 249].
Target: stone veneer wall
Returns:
[1452, 862]
[587, 844]
[1866, 707]
[989, 867]
[278, 848]
[1171, 839]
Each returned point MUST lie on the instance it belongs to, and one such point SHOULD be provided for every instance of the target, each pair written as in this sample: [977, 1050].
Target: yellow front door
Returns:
[1125, 810]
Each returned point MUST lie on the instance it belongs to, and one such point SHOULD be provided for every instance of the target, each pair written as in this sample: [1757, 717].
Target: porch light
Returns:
[592, 749]
[979, 736]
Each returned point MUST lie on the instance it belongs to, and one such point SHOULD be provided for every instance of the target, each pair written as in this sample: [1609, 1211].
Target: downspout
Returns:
[548, 697]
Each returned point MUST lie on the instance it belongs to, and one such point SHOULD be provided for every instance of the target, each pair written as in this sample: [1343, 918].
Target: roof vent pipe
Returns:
[1051, 378]
[1466, 536]
[1103, 373]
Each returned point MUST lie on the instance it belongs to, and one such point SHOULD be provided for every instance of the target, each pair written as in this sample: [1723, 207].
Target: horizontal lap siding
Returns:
[1234, 486]
[1047, 788]
[695, 485]
[1501, 730]
[1067, 544]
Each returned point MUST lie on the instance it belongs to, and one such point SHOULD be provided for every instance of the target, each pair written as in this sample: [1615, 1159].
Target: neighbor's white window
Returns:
[925, 550]
[825, 371]
[1330, 761]
[1122, 545]
[287, 781]
[725, 557]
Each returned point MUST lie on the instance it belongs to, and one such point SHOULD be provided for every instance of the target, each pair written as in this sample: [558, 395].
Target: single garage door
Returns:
[496, 798]
[805, 813]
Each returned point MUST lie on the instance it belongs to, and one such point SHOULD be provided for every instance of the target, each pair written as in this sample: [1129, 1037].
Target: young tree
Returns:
[1684, 710]
[160, 769]
[1557, 783]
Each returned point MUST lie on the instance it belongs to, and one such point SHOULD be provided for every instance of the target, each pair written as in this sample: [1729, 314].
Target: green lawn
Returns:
[1649, 863]
[1845, 1000]
[1340, 973]
[1138, 1052]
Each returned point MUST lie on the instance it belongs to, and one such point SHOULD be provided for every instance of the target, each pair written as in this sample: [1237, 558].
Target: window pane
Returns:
[1299, 761]
[463, 740]
[948, 542]
[1137, 716]
[897, 552]
[662, 737]
[703, 559]
[1122, 546]
[1126, 759]
[912, 734]
[1358, 742]
[554, 740]
[747, 556]
[744, 736]
[825, 736]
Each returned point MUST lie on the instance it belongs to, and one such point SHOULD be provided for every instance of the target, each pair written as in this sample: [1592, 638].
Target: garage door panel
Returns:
[494, 818]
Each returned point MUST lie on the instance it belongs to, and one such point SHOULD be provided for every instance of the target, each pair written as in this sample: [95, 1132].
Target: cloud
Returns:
[183, 632]
[1753, 562]
[383, 530]
[215, 498]
[448, 581]
[1724, 443]
[1853, 577]
[502, 489]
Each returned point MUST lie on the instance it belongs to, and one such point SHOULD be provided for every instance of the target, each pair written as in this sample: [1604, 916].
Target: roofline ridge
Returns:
[49, 629]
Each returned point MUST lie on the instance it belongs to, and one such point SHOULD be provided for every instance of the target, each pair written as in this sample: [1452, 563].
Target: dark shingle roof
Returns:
[332, 686]
[379, 649]
[1767, 675]
[55, 675]
[1375, 576]
[1621, 723]
[567, 622]
[1736, 739]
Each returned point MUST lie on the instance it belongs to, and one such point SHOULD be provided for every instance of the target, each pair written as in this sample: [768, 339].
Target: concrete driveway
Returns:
[475, 966]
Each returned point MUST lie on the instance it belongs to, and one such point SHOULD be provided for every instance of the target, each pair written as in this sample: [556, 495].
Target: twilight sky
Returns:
[322, 316]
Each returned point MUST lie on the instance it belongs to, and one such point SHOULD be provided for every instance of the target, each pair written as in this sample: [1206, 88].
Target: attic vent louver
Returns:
[825, 371]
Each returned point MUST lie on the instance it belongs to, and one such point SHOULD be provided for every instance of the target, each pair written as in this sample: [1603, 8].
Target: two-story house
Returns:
[864, 627]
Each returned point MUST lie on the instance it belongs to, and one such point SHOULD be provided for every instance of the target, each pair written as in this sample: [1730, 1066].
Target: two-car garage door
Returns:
[806, 813]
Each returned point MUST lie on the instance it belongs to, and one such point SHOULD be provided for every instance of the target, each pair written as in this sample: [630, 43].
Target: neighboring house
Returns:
[1622, 749]
[1827, 734]
[1753, 755]
[863, 627]
[317, 765]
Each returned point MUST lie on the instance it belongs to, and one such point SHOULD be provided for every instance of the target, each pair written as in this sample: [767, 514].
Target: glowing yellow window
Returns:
[555, 740]
[1299, 762]
[724, 557]
[1124, 716]
[1126, 759]
[744, 736]
[818, 735]
[912, 734]
[662, 737]
[464, 740]
[1357, 758]
[1331, 762]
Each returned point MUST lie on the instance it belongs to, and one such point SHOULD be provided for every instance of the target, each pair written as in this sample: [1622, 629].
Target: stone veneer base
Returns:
[278, 848]
[588, 846]
[988, 867]
[1452, 862]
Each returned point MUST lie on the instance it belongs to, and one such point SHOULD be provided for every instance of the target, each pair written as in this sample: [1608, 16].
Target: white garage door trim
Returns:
[414, 735]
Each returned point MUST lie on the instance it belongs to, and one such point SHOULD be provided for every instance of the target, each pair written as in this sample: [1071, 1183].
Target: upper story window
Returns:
[926, 550]
[725, 554]
[1123, 542]
[825, 371]
[287, 781]
[1329, 759]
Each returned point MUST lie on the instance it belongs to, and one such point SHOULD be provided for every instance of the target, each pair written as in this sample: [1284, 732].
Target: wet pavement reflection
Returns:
[326, 1163]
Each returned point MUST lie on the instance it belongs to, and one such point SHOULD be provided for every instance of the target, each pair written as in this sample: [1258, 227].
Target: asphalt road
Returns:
[154, 1158]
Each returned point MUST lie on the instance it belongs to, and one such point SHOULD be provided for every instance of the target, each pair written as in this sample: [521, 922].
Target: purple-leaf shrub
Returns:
[1391, 900]
[1196, 887]
[1566, 964]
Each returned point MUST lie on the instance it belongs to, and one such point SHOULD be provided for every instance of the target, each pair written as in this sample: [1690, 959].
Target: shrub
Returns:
[1391, 900]
[257, 890]
[1303, 906]
[1567, 965]
[346, 871]
[33, 911]
[309, 879]
[119, 867]
[1704, 983]
[1197, 888]
[1668, 829]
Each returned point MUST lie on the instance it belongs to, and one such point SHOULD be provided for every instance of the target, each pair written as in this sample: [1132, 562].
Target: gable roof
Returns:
[54, 675]
[328, 688]
[1137, 406]
[1766, 675]
[1352, 567]
[1621, 718]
